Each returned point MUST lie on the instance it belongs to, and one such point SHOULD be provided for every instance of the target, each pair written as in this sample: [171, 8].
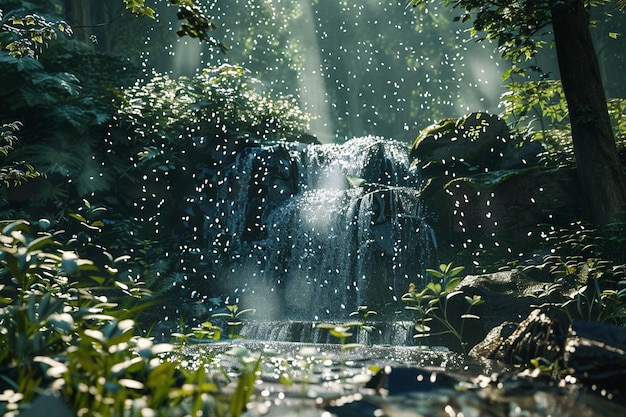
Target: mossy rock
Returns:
[473, 144]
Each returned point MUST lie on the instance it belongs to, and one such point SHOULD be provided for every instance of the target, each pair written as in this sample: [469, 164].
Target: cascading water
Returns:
[310, 232]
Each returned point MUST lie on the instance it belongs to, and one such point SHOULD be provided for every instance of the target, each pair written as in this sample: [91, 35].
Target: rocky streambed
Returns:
[298, 379]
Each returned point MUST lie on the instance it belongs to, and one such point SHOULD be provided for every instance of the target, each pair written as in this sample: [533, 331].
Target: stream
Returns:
[325, 380]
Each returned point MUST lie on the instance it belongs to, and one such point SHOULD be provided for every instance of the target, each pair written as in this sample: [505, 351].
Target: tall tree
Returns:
[521, 28]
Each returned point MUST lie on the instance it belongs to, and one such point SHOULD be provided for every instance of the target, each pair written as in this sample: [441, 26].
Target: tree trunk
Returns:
[597, 160]
[78, 15]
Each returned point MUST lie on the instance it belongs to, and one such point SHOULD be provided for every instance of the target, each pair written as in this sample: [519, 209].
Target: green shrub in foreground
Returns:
[62, 328]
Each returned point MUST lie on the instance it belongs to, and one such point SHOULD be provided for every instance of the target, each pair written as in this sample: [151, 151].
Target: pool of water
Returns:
[302, 379]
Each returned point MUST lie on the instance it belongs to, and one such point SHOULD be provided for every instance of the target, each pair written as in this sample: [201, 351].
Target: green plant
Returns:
[217, 100]
[206, 331]
[551, 369]
[431, 303]
[341, 332]
[12, 174]
[62, 105]
[48, 293]
[364, 324]
[617, 107]
[61, 329]
[250, 368]
[540, 110]
[24, 35]
[587, 289]
[586, 270]
[234, 319]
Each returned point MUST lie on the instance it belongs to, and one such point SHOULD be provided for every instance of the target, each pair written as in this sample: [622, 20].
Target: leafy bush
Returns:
[12, 174]
[222, 101]
[65, 325]
[23, 34]
[588, 272]
[63, 117]
[48, 293]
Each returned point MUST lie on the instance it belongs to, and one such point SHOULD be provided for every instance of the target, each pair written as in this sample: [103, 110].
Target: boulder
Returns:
[508, 296]
[476, 143]
[540, 335]
[595, 352]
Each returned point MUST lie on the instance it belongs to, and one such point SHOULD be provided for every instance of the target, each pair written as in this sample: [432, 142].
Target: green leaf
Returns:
[122, 258]
[456, 271]
[95, 336]
[245, 311]
[340, 332]
[78, 217]
[355, 182]
[452, 284]
[139, 8]
[238, 351]
[40, 242]
[62, 321]
[434, 287]
[422, 328]
[351, 346]
[453, 294]
[119, 369]
[131, 383]
[18, 225]
[475, 300]
[434, 273]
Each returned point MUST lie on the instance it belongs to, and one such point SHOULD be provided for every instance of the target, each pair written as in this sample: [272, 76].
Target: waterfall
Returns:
[310, 232]
[398, 333]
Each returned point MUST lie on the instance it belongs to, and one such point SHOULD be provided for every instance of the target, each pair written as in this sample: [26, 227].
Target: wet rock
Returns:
[274, 180]
[540, 335]
[489, 345]
[500, 210]
[402, 382]
[399, 380]
[477, 142]
[596, 352]
[592, 352]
